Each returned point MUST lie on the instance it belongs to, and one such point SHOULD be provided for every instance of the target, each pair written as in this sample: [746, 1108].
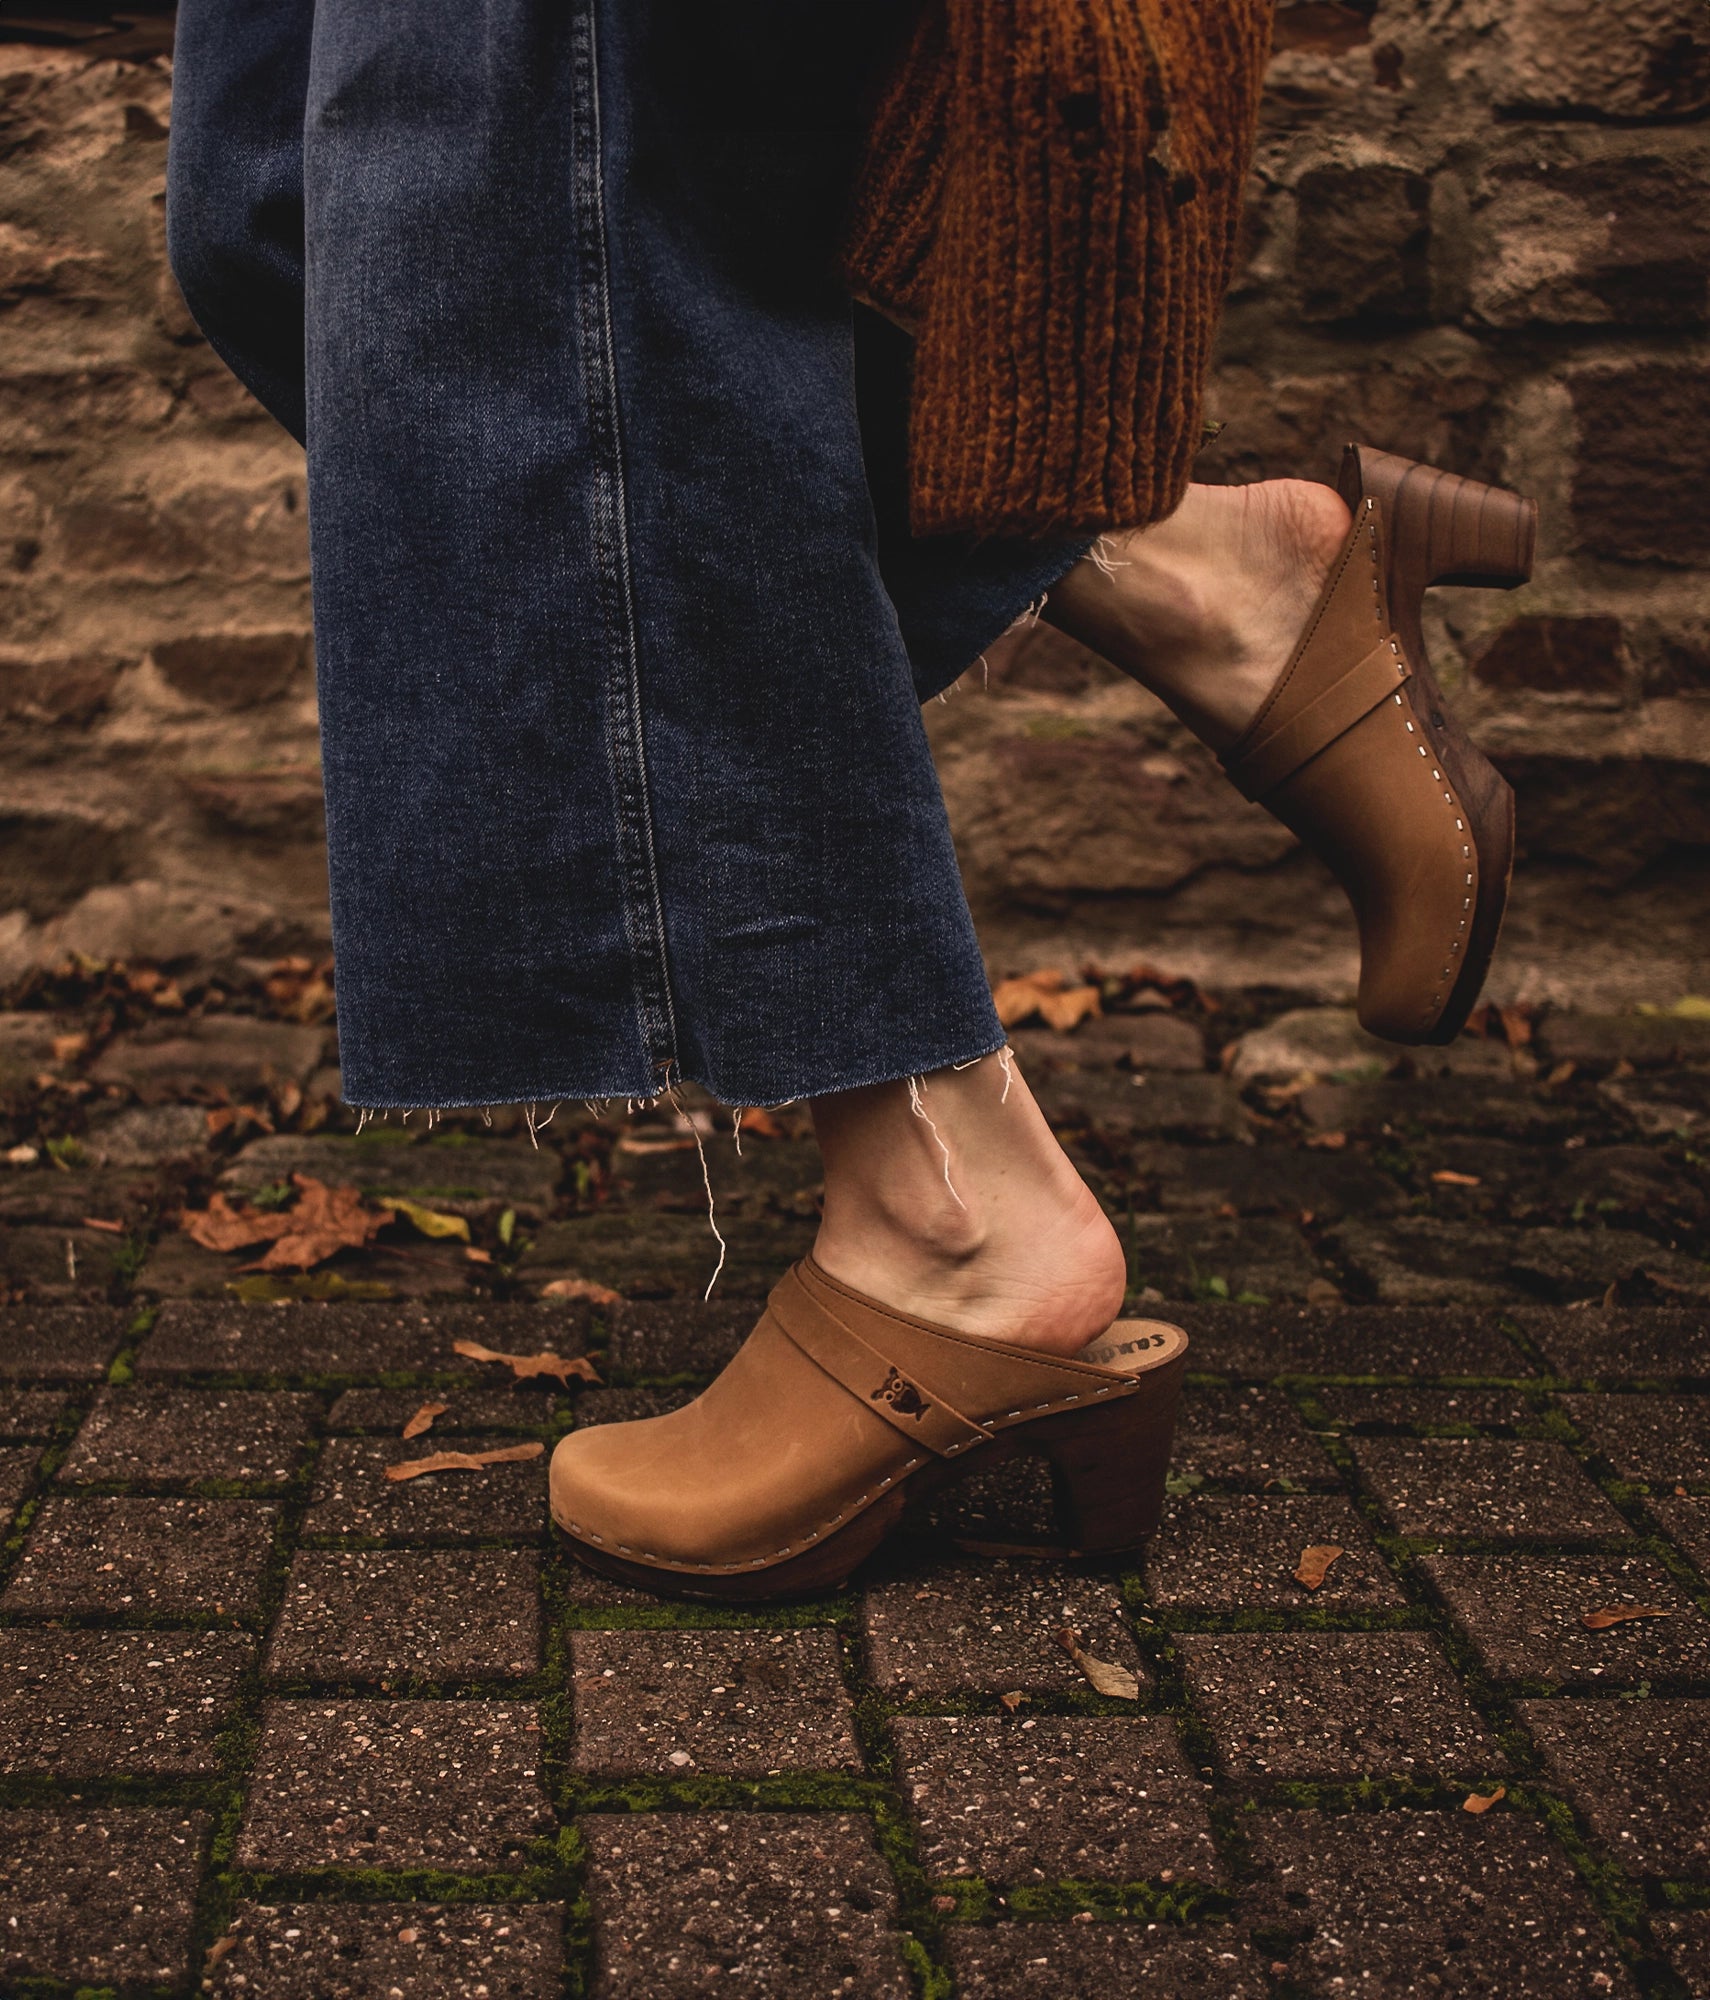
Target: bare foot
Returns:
[1206, 608]
[959, 1206]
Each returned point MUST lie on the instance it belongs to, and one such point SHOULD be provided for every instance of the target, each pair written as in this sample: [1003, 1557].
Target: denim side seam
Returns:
[644, 914]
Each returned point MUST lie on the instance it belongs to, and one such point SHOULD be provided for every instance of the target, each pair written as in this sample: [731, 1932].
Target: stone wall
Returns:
[1479, 232]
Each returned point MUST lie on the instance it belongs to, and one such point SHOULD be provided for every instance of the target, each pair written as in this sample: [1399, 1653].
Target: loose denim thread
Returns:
[916, 1100]
[1025, 619]
[686, 1118]
[1104, 561]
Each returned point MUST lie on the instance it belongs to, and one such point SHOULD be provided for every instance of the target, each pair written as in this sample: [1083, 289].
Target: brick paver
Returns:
[1486, 1487]
[433, 1614]
[750, 1704]
[99, 1896]
[1636, 1770]
[395, 1784]
[179, 1436]
[989, 1628]
[1335, 1705]
[1525, 1616]
[344, 1951]
[117, 1704]
[138, 1556]
[1093, 1799]
[48, 1343]
[1405, 1903]
[1249, 1436]
[29, 1413]
[1647, 1437]
[353, 1496]
[1240, 1553]
[754, 1903]
[1051, 1961]
[275, 1725]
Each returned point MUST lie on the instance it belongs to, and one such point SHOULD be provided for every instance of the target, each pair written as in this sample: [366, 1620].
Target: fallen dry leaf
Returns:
[1104, 1676]
[1047, 994]
[219, 1226]
[227, 1117]
[1481, 1802]
[429, 1220]
[219, 1948]
[1315, 1563]
[1066, 1011]
[582, 1288]
[463, 1461]
[423, 1419]
[1447, 1177]
[761, 1123]
[474, 1256]
[524, 1367]
[1011, 1701]
[1327, 1142]
[321, 1222]
[67, 1048]
[1621, 1614]
[101, 1222]
[1562, 1073]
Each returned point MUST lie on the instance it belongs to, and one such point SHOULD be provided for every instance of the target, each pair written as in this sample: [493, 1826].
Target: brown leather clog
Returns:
[1355, 750]
[833, 1416]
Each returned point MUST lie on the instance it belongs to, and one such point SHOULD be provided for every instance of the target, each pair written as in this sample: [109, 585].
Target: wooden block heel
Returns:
[836, 1413]
[1356, 749]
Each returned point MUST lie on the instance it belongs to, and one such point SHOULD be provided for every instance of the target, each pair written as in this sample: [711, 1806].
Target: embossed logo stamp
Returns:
[902, 1396]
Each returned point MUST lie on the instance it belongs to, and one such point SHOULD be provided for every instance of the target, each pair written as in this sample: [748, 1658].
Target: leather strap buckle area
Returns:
[925, 1419]
[1261, 767]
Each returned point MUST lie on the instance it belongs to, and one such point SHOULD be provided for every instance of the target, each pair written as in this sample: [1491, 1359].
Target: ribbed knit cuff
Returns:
[1072, 197]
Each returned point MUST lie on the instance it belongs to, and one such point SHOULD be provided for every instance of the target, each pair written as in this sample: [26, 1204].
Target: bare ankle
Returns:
[962, 1207]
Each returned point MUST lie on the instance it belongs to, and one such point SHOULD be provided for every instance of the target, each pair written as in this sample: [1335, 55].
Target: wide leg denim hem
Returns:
[620, 635]
[606, 1095]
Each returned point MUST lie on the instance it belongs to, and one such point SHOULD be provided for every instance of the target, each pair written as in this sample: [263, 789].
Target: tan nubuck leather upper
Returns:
[831, 1402]
[1339, 753]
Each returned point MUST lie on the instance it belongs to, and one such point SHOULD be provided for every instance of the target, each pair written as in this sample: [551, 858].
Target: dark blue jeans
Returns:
[620, 633]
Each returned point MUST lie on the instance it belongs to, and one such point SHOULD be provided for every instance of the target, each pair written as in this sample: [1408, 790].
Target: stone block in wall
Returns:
[271, 806]
[1636, 59]
[1617, 814]
[232, 669]
[1363, 243]
[1593, 228]
[1289, 411]
[1643, 451]
[1323, 27]
[1554, 655]
[69, 690]
[1050, 803]
[1674, 659]
[241, 534]
[49, 858]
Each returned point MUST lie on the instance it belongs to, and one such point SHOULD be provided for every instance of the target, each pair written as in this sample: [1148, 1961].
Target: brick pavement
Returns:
[272, 1725]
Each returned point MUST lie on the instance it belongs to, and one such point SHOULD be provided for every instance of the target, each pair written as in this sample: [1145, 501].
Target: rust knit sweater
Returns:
[1049, 202]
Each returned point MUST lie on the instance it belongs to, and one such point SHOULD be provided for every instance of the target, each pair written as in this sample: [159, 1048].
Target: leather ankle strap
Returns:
[922, 1416]
[1257, 768]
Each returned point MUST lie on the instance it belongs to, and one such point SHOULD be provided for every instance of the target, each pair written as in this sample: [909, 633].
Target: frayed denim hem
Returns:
[602, 1099]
